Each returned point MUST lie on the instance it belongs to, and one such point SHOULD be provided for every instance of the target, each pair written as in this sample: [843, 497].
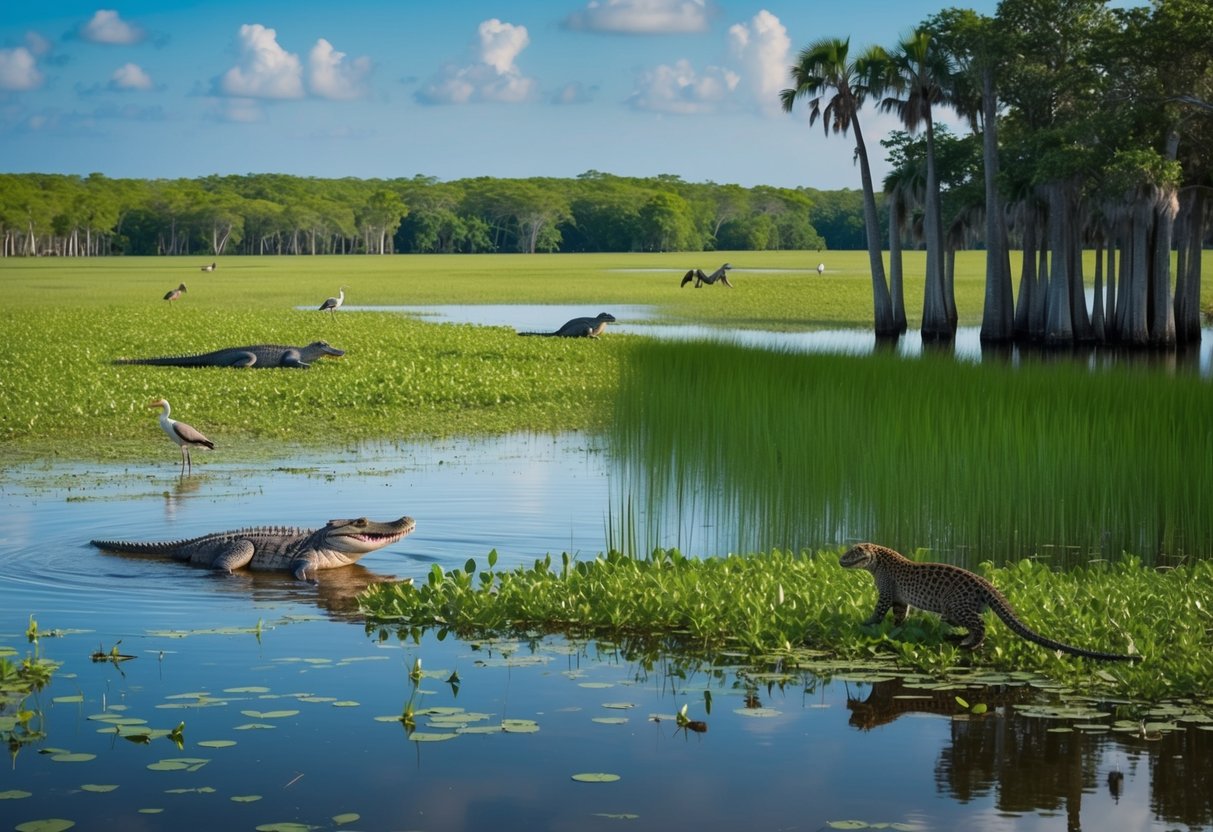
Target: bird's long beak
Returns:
[156, 403]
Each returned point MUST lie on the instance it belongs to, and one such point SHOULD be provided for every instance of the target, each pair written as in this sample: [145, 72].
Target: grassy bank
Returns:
[778, 601]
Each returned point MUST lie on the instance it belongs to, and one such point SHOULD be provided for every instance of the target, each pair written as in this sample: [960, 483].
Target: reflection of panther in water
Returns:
[956, 594]
[892, 699]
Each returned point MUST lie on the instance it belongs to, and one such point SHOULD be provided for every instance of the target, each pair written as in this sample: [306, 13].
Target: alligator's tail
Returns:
[1008, 616]
[167, 361]
[128, 547]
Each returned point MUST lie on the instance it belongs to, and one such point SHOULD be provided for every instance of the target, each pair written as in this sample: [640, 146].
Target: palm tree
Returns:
[836, 88]
[918, 77]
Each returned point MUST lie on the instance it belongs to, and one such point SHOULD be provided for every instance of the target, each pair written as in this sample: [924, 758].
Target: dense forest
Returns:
[1092, 127]
[45, 214]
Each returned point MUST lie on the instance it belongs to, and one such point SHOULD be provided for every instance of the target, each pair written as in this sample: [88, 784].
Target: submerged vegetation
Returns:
[972, 462]
[766, 603]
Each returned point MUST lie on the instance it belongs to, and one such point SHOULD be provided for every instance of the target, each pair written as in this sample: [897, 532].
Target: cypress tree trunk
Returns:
[1059, 330]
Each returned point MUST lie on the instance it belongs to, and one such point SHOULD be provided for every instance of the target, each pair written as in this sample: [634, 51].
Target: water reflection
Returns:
[966, 346]
[1029, 765]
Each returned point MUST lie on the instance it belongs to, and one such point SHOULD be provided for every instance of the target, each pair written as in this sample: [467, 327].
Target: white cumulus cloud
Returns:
[681, 89]
[330, 75]
[762, 48]
[105, 26]
[494, 76]
[19, 70]
[130, 77]
[265, 70]
[642, 17]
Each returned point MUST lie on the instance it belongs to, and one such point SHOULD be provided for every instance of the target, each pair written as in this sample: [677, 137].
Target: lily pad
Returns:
[253, 726]
[619, 706]
[217, 743]
[519, 726]
[73, 757]
[346, 703]
[617, 815]
[285, 827]
[95, 787]
[245, 798]
[346, 817]
[610, 720]
[14, 794]
[45, 825]
[595, 777]
[269, 714]
[430, 736]
[758, 713]
[249, 689]
[62, 700]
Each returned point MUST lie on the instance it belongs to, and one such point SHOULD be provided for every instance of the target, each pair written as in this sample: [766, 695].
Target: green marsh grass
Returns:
[762, 604]
[972, 462]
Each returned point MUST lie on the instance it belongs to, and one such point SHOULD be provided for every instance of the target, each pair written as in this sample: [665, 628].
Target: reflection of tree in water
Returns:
[1029, 769]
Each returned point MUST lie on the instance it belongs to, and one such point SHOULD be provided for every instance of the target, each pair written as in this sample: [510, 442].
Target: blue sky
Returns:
[444, 88]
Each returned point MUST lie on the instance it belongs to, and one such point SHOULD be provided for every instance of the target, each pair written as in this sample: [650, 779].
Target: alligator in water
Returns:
[258, 355]
[299, 551]
[580, 327]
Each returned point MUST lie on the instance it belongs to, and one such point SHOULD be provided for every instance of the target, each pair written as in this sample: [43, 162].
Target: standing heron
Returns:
[186, 436]
[175, 293]
[821, 268]
[700, 278]
[333, 304]
[209, 268]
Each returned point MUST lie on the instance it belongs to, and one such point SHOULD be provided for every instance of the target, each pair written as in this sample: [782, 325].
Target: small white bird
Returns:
[184, 435]
[333, 304]
[209, 268]
[175, 293]
[821, 268]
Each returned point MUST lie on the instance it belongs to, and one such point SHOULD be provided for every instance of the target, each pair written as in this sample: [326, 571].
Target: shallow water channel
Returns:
[291, 705]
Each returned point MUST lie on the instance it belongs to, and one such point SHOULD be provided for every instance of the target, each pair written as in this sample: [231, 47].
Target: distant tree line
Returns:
[68, 216]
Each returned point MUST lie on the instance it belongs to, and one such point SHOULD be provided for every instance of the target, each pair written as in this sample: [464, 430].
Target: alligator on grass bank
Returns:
[300, 551]
[580, 327]
[258, 355]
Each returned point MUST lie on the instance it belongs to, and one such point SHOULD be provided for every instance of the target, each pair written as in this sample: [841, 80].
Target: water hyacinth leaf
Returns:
[98, 788]
[45, 825]
[595, 777]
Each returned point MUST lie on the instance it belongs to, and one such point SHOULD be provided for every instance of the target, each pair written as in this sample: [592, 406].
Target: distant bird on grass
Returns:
[333, 304]
[184, 435]
[175, 293]
[700, 278]
[209, 268]
[821, 268]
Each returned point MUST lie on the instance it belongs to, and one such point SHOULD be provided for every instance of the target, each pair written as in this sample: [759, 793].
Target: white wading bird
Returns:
[175, 293]
[821, 268]
[333, 304]
[209, 268]
[181, 433]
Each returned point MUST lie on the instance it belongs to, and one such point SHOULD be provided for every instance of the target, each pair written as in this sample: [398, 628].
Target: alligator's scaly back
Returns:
[579, 327]
[256, 355]
[956, 594]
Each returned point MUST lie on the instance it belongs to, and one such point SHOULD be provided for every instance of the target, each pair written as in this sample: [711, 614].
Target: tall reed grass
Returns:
[973, 462]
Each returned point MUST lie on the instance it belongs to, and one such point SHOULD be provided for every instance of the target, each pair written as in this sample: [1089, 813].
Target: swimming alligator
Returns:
[258, 355]
[276, 548]
[579, 327]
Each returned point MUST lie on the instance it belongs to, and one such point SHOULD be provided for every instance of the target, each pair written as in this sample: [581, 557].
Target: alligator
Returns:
[276, 548]
[258, 355]
[580, 327]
